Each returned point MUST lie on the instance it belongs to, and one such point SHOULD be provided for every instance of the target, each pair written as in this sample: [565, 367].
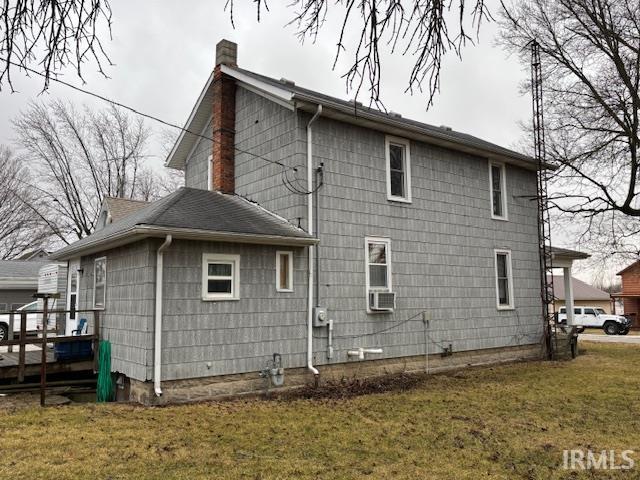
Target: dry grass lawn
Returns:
[506, 422]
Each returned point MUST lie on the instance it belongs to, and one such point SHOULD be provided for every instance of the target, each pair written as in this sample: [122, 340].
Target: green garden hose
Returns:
[104, 388]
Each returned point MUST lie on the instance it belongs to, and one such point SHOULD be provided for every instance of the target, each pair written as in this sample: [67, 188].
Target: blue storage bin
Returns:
[72, 350]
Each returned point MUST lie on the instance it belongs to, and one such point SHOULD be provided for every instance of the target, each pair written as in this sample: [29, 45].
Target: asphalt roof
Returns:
[445, 133]
[202, 210]
[123, 207]
[21, 268]
[346, 110]
[581, 290]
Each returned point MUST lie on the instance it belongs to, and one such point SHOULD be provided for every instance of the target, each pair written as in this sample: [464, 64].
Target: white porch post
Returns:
[568, 294]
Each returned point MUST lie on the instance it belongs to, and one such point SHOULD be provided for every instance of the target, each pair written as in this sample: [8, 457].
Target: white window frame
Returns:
[279, 254]
[210, 172]
[104, 300]
[234, 260]
[503, 190]
[389, 140]
[389, 288]
[510, 305]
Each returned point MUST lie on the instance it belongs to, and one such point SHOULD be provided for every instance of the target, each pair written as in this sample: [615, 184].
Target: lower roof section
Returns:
[194, 214]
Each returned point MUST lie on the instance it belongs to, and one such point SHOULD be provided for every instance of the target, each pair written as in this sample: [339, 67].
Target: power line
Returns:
[145, 115]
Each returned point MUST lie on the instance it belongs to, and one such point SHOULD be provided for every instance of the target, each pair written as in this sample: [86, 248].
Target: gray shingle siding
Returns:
[127, 320]
[270, 130]
[442, 246]
[235, 335]
[197, 168]
[442, 252]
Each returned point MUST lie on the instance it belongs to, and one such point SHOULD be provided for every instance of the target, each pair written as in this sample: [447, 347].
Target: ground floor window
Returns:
[284, 271]
[99, 282]
[220, 277]
[504, 279]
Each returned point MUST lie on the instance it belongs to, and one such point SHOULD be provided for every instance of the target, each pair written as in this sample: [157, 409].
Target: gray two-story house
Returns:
[346, 240]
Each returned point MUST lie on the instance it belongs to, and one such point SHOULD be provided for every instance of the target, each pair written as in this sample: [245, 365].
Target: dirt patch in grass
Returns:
[501, 422]
[350, 387]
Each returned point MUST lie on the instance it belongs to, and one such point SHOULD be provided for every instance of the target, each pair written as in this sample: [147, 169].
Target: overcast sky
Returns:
[163, 53]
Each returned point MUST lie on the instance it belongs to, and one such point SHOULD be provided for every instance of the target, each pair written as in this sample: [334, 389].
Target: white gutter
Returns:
[140, 232]
[157, 347]
[310, 305]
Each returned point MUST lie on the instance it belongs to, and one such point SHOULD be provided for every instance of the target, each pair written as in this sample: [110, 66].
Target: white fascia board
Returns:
[141, 232]
[282, 94]
[187, 126]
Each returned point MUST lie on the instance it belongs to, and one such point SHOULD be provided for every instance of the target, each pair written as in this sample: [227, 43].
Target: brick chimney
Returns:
[224, 119]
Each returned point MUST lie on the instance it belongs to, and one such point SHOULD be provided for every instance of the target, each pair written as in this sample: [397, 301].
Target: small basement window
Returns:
[498, 188]
[398, 160]
[99, 282]
[504, 280]
[220, 277]
[284, 271]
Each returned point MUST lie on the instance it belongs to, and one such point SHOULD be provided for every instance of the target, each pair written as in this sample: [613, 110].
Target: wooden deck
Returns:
[9, 364]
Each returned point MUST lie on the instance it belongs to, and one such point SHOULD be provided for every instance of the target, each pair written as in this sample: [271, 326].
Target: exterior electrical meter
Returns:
[320, 317]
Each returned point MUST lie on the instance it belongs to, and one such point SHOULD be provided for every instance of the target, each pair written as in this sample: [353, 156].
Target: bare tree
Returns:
[427, 30]
[76, 158]
[591, 73]
[52, 34]
[21, 230]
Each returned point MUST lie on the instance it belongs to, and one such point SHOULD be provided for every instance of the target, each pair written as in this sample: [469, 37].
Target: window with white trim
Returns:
[378, 259]
[284, 271]
[504, 280]
[220, 277]
[398, 160]
[498, 189]
[210, 172]
[99, 282]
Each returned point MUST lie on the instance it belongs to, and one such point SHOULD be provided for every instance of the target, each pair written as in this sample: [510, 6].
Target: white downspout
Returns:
[157, 350]
[310, 366]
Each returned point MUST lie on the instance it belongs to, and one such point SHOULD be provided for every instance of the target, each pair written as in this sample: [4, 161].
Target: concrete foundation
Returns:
[228, 386]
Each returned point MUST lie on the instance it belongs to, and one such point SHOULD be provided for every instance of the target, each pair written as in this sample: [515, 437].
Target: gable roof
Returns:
[193, 214]
[581, 290]
[630, 267]
[119, 208]
[292, 96]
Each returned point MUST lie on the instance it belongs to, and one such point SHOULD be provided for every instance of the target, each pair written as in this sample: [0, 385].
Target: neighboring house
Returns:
[630, 294]
[412, 238]
[114, 209]
[36, 255]
[583, 294]
[18, 282]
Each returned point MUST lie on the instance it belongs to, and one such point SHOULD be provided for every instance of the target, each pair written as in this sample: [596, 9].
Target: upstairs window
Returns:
[378, 256]
[99, 282]
[398, 160]
[284, 271]
[220, 277]
[497, 184]
[504, 280]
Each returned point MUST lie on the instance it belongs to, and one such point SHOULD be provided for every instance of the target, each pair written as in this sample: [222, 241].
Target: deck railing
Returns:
[43, 339]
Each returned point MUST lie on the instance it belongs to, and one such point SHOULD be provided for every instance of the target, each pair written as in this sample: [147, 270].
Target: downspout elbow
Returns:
[157, 351]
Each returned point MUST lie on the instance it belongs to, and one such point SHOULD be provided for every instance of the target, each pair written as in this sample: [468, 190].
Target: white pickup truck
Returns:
[593, 317]
[34, 321]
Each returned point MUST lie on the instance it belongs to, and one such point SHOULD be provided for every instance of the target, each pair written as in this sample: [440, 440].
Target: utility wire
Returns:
[145, 115]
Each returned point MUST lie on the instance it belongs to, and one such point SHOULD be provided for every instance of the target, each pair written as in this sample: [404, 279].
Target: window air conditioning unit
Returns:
[382, 301]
